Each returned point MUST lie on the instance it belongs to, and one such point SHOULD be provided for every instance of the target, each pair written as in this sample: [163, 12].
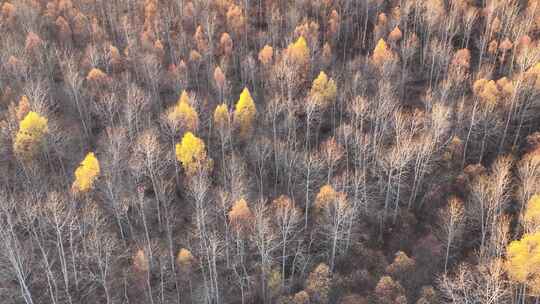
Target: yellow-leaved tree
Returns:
[221, 117]
[29, 138]
[191, 152]
[323, 91]
[382, 53]
[182, 115]
[298, 52]
[185, 261]
[523, 262]
[531, 218]
[244, 113]
[86, 174]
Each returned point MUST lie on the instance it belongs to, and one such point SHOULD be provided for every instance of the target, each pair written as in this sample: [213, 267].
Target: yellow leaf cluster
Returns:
[86, 174]
[323, 90]
[298, 52]
[28, 139]
[531, 217]
[523, 262]
[221, 117]
[382, 53]
[191, 152]
[183, 114]
[244, 113]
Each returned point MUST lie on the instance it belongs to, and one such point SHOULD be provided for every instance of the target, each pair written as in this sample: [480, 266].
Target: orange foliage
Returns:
[266, 54]
[382, 53]
[241, 217]
[395, 35]
[201, 40]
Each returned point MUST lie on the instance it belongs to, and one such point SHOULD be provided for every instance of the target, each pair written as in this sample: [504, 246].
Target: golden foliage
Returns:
[191, 152]
[194, 56]
[97, 76]
[183, 115]
[491, 92]
[29, 138]
[8, 12]
[395, 35]
[140, 261]
[86, 174]
[326, 195]
[329, 199]
[221, 117]
[301, 297]
[523, 262]
[318, 283]
[240, 216]
[531, 218]
[323, 91]
[244, 113]
[283, 202]
[298, 52]
[266, 54]
[184, 260]
[382, 53]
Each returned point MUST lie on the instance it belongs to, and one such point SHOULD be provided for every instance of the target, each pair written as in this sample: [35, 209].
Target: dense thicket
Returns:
[270, 151]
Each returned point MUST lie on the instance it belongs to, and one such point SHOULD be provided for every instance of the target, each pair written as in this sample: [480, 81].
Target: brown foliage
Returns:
[226, 44]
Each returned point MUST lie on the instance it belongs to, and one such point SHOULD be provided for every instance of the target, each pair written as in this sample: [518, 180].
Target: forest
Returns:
[270, 151]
